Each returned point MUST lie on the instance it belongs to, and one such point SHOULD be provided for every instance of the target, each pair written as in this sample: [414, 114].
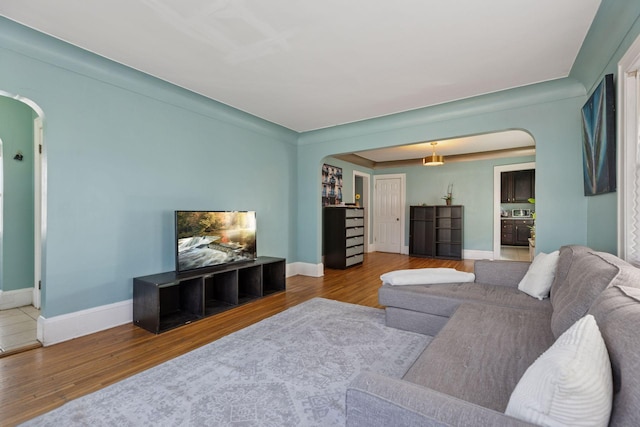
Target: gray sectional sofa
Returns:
[487, 333]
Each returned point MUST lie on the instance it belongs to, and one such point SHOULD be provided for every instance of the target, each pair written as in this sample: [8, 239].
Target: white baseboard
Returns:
[15, 299]
[305, 269]
[73, 325]
[474, 254]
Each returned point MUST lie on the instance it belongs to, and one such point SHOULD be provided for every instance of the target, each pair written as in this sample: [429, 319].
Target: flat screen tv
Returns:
[209, 239]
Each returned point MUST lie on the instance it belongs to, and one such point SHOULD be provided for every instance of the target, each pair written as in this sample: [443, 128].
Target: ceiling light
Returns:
[433, 159]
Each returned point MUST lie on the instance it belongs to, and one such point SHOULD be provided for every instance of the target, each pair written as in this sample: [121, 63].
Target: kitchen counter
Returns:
[517, 217]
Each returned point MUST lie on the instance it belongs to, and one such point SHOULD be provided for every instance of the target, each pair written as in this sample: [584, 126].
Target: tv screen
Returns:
[214, 238]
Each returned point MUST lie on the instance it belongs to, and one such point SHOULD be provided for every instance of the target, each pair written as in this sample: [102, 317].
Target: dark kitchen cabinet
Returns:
[522, 232]
[506, 233]
[518, 186]
[515, 232]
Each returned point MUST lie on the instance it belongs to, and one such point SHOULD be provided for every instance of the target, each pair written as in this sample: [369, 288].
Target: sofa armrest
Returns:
[498, 272]
[376, 400]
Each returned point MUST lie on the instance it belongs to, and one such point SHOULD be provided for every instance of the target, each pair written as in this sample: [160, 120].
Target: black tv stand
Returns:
[167, 300]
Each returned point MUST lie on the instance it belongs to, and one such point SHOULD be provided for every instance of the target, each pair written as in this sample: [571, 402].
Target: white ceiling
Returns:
[314, 64]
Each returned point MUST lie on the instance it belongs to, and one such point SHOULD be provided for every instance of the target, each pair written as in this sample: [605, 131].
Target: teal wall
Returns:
[472, 187]
[123, 151]
[615, 28]
[16, 133]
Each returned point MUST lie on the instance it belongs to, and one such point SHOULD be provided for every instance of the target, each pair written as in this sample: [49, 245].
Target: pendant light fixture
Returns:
[433, 159]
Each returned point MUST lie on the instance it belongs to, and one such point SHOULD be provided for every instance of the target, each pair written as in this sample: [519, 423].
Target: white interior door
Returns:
[389, 213]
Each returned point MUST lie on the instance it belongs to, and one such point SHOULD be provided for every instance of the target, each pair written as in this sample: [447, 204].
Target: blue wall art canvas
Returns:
[599, 140]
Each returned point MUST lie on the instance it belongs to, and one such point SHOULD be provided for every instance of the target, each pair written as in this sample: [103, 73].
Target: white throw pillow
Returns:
[539, 278]
[570, 384]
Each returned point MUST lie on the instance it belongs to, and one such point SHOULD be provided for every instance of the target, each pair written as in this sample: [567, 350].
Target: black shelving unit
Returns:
[165, 301]
[449, 232]
[273, 274]
[436, 231]
[179, 305]
[421, 230]
[220, 292]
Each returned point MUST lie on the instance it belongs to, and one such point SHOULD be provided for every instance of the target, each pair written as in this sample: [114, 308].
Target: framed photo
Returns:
[599, 140]
[331, 185]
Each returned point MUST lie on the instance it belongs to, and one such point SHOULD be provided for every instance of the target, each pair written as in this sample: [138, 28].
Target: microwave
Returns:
[521, 213]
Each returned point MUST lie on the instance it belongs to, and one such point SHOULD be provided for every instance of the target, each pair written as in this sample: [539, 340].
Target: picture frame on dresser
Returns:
[331, 185]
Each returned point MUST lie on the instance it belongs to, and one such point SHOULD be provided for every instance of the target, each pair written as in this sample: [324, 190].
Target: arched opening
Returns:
[469, 164]
[21, 221]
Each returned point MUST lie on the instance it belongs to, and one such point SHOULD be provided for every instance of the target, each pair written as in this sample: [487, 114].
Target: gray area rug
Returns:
[291, 369]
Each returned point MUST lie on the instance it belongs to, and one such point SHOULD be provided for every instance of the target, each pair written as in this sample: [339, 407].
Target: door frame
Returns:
[366, 204]
[497, 183]
[38, 144]
[403, 190]
[628, 125]
[1, 212]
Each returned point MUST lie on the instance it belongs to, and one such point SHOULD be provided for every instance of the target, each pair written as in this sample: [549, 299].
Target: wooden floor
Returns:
[39, 380]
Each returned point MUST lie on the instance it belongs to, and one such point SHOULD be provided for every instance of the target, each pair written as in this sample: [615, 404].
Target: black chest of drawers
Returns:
[343, 236]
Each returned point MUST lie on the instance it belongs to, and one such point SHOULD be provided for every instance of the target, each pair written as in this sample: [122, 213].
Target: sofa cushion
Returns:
[443, 299]
[589, 274]
[481, 353]
[500, 272]
[540, 274]
[414, 321]
[570, 383]
[566, 256]
[617, 312]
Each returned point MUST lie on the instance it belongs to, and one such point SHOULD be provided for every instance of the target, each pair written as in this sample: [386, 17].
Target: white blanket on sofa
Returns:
[426, 276]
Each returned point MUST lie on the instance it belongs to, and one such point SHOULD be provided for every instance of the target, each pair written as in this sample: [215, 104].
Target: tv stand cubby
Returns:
[167, 300]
